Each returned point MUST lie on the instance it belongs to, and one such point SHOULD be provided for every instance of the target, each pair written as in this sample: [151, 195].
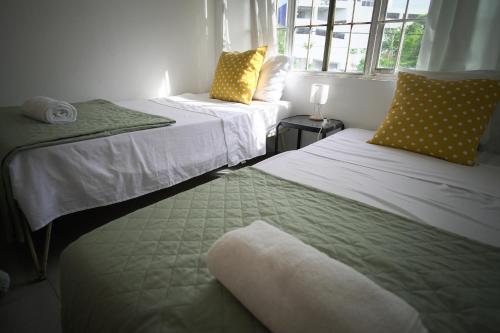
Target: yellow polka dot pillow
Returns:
[237, 75]
[440, 118]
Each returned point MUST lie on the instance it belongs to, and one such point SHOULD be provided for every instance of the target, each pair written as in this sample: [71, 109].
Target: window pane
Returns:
[363, 11]
[343, 11]
[411, 44]
[339, 46]
[390, 44]
[320, 12]
[395, 9]
[317, 48]
[282, 42]
[368, 3]
[303, 12]
[357, 49]
[300, 47]
[418, 9]
[282, 13]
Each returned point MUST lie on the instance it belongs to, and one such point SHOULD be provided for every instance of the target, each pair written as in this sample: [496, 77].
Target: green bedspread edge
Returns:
[96, 118]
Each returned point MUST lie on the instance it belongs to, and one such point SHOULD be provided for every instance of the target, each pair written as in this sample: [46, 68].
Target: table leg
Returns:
[276, 139]
[324, 134]
[299, 136]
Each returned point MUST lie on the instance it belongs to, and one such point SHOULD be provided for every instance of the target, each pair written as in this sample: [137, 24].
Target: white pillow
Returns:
[272, 79]
[490, 141]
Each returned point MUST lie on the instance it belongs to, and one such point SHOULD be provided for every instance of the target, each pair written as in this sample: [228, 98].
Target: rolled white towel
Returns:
[291, 287]
[49, 110]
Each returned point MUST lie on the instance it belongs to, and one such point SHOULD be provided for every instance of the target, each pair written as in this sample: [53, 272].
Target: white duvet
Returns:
[53, 181]
[460, 199]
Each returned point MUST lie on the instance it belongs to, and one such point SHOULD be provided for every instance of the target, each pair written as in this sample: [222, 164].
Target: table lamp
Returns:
[319, 96]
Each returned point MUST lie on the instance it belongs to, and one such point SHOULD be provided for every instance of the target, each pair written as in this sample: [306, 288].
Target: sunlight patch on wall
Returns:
[165, 89]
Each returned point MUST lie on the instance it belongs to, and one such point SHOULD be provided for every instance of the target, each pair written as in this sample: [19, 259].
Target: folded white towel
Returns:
[49, 110]
[291, 287]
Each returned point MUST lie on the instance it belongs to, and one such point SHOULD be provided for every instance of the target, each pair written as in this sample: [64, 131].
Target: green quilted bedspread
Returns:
[146, 271]
[96, 118]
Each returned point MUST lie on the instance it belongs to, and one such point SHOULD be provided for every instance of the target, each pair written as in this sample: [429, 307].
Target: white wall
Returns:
[358, 102]
[115, 49]
[121, 49]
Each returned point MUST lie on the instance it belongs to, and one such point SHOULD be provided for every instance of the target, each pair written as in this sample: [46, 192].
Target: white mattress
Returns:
[53, 181]
[460, 199]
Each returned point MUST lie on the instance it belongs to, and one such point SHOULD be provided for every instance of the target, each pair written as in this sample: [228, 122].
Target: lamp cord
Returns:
[323, 123]
[319, 133]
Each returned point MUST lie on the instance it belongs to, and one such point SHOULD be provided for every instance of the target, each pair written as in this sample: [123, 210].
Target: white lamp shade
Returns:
[319, 93]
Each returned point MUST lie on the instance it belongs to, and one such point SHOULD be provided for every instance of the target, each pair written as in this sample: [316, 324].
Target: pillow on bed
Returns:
[488, 139]
[440, 118]
[272, 79]
[237, 74]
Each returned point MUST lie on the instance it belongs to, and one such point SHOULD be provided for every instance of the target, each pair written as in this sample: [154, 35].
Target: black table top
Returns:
[303, 122]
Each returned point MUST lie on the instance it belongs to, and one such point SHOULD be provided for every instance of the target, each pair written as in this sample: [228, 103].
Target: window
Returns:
[351, 36]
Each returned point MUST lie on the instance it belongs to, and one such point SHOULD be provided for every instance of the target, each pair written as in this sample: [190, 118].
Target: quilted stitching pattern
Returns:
[147, 270]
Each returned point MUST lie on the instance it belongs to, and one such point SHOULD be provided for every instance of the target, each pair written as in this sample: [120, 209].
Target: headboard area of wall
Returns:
[358, 102]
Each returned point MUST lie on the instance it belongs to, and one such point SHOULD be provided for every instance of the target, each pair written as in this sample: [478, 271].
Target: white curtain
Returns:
[226, 41]
[461, 35]
[263, 28]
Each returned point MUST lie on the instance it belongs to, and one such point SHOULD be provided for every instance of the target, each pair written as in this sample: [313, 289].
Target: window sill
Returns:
[374, 77]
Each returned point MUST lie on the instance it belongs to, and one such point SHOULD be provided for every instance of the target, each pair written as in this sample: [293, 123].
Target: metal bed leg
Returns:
[46, 247]
[40, 269]
[31, 246]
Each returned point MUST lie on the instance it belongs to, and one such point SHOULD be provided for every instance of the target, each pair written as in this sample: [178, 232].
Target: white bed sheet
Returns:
[245, 126]
[53, 181]
[459, 199]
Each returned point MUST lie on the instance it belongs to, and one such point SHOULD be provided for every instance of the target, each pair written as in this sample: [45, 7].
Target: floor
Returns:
[34, 306]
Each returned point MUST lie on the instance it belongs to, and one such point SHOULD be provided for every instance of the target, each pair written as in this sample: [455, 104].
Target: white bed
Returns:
[460, 199]
[53, 181]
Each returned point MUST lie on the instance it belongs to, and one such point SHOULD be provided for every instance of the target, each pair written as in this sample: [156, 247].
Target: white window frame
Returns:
[374, 40]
